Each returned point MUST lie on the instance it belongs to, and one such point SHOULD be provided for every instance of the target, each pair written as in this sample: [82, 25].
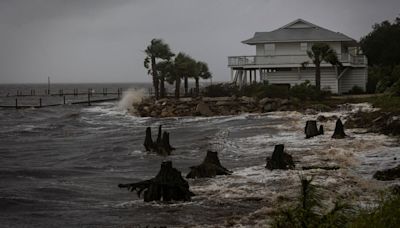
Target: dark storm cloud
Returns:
[103, 40]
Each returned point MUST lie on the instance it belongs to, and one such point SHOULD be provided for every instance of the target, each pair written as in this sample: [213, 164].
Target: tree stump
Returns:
[339, 130]
[166, 186]
[210, 167]
[280, 159]
[388, 174]
[162, 145]
[321, 130]
[311, 129]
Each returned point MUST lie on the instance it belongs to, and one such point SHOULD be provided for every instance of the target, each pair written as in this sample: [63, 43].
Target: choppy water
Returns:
[60, 166]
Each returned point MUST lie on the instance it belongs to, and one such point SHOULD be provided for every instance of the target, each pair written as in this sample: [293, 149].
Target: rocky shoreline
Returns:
[209, 106]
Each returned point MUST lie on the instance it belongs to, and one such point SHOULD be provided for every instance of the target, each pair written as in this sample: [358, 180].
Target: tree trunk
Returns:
[280, 159]
[339, 130]
[148, 141]
[318, 75]
[210, 167]
[177, 87]
[155, 77]
[311, 129]
[162, 87]
[186, 86]
[197, 86]
[166, 186]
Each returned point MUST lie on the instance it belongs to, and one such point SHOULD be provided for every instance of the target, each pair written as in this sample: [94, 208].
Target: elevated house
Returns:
[281, 52]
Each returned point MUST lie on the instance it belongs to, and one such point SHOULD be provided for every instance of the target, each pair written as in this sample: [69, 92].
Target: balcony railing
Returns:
[288, 59]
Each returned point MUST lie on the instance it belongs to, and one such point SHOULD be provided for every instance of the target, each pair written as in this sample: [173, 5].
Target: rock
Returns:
[248, 99]
[339, 130]
[311, 129]
[203, 109]
[310, 111]
[280, 159]
[185, 99]
[264, 101]
[388, 174]
[166, 186]
[210, 167]
[268, 107]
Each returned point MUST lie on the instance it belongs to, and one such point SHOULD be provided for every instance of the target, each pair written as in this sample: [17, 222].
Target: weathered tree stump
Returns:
[162, 145]
[321, 129]
[280, 159]
[210, 167]
[339, 130]
[311, 129]
[166, 186]
[148, 141]
[388, 174]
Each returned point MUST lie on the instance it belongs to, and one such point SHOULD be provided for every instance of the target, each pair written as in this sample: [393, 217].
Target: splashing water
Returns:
[131, 97]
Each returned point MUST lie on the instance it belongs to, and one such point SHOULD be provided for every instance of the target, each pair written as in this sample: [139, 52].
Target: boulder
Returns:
[203, 109]
[280, 159]
[264, 101]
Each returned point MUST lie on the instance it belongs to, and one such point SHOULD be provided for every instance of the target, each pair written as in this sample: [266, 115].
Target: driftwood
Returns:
[280, 159]
[166, 186]
[311, 129]
[162, 145]
[210, 167]
[339, 130]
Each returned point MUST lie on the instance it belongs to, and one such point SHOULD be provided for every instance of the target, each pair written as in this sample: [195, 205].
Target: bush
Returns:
[394, 90]
[262, 90]
[221, 90]
[385, 215]
[356, 90]
[306, 91]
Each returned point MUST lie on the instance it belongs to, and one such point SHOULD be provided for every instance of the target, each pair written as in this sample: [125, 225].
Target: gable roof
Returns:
[298, 30]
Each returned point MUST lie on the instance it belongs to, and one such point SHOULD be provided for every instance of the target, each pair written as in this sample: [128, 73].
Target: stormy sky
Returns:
[77, 41]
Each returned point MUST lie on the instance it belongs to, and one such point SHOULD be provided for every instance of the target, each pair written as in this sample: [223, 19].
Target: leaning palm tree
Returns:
[201, 72]
[166, 72]
[321, 52]
[185, 67]
[156, 50]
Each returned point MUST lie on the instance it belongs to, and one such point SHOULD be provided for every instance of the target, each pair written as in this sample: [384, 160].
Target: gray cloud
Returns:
[103, 40]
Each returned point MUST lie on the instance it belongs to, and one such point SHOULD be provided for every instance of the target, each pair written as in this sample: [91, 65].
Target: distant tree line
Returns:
[164, 66]
[382, 47]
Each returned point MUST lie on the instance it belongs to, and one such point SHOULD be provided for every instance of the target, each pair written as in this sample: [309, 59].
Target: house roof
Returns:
[298, 30]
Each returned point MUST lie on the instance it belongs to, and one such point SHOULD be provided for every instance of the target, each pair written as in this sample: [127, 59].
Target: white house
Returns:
[281, 52]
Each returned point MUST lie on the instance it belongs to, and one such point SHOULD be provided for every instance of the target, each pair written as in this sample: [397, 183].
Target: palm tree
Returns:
[202, 72]
[321, 52]
[166, 72]
[156, 50]
[185, 67]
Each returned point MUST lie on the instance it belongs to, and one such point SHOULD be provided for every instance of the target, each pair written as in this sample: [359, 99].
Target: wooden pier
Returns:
[79, 97]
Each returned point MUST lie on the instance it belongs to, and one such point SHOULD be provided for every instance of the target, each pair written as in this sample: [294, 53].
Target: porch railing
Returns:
[288, 59]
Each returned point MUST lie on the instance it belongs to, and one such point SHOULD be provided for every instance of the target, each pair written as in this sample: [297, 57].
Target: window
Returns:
[303, 46]
[269, 49]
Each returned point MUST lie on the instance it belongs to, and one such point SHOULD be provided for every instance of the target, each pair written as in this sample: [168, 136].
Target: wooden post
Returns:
[40, 102]
[64, 99]
[88, 97]
[16, 103]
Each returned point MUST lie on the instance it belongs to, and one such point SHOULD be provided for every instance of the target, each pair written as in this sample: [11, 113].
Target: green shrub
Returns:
[385, 215]
[221, 90]
[394, 90]
[306, 91]
[306, 212]
[264, 89]
[356, 90]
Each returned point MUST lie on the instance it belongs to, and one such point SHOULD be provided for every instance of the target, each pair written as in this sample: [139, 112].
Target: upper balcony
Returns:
[289, 60]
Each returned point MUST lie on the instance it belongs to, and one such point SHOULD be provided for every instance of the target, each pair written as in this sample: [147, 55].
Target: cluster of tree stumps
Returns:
[161, 146]
[311, 129]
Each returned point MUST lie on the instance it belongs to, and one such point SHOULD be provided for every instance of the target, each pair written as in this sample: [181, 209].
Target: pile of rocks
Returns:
[209, 106]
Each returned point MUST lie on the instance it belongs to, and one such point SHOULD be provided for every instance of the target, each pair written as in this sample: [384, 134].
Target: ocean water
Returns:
[60, 166]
